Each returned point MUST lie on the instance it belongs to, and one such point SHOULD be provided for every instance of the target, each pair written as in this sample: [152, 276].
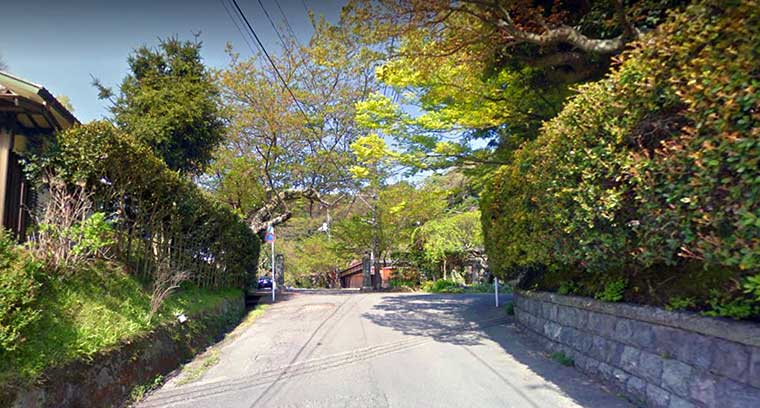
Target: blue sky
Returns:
[60, 43]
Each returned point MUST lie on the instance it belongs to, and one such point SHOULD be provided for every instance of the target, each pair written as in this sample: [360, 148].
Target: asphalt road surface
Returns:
[383, 350]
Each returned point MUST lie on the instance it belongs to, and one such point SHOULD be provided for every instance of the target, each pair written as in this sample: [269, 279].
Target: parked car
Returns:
[265, 283]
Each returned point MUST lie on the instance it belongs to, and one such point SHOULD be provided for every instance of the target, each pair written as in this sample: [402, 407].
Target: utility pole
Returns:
[270, 237]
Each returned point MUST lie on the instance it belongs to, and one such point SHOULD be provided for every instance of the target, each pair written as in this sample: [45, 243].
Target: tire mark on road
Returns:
[296, 369]
[269, 392]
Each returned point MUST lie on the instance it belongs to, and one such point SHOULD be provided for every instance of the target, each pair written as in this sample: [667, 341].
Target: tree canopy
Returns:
[170, 102]
[290, 141]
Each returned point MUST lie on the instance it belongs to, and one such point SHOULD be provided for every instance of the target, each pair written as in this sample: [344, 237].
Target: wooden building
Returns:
[353, 275]
[28, 114]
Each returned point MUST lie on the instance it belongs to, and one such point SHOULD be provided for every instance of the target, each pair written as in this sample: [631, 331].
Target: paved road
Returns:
[384, 350]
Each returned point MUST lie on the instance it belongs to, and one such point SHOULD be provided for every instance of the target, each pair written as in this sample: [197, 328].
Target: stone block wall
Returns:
[660, 358]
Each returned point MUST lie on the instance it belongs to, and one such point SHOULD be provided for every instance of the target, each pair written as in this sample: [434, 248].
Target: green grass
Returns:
[253, 315]
[195, 371]
[141, 390]
[88, 312]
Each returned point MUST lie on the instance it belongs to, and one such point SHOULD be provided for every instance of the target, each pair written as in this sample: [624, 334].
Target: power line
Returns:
[271, 61]
[274, 26]
[237, 25]
[308, 15]
[285, 19]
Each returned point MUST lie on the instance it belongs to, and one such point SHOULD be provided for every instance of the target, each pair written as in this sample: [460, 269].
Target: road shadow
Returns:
[456, 319]
[470, 320]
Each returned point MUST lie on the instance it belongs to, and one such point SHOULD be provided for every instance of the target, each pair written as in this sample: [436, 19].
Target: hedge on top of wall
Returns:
[646, 187]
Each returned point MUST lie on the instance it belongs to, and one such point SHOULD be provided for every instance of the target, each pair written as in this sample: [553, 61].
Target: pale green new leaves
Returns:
[456, 233]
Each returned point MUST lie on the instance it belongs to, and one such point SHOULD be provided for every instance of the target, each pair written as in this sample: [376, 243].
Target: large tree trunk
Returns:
[276, 210]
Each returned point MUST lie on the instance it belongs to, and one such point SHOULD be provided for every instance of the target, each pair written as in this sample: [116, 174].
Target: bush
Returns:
[613, 291]
[649, 176]
[153, 208]
[19, 289]
[563, 359]
[509, 309]
[397, 283]
[442, 286]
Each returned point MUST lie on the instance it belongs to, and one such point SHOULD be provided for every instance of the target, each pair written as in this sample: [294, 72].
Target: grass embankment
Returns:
[87, 312]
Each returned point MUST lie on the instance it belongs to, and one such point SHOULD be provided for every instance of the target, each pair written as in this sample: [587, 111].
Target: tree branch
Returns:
[569, 35]
[276, 211]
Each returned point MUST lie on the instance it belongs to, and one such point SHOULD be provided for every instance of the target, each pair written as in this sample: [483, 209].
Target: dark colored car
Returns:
[265, 283]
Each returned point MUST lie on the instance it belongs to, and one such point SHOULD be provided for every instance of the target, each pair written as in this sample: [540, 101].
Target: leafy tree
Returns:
[170, 102]
[452, 235]
[486, 70]
[3, 65]
[291, 143]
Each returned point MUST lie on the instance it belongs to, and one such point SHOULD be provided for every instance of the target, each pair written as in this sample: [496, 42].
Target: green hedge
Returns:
[649, 177]
[152, 205]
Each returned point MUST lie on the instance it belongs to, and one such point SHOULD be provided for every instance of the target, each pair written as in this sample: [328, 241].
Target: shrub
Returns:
[19, 288]
[510, 309]
[613, 291]
[563, 359]
[157, 212]
[650, 174]
[442, 286]
[398, 283]
[681, 303]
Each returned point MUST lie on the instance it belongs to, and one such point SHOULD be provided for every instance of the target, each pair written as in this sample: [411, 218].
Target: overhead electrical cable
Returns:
[274, 26]
[269, 58]
[240, 29]
[285, 19]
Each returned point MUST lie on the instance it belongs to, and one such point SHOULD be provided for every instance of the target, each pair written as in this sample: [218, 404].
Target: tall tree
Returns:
[170, 101]
[3, 66]
[493, 70]
[291, 141]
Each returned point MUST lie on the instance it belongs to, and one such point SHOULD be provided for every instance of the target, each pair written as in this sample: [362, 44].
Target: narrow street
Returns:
[384, 350]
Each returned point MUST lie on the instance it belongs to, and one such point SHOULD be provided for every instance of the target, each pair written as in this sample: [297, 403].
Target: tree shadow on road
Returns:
[471, 320]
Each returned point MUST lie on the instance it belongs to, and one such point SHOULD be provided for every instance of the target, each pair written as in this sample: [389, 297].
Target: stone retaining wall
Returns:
[108, 379]
[661, 358]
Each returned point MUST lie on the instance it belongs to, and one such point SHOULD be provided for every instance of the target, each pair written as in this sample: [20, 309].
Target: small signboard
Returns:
[269, 237]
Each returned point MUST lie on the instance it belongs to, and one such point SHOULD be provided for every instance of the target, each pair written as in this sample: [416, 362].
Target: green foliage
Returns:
[652, 168]
[89, 236]
[563, 359]
[170, 102]
[721, 305]
[567, 288]
[613, 291]
[141, 390]
[94, 233]
[19, 290]
[128, 180]
[86, 312]
[509, 309]
[398, 283]
[681, 303]
[454, 233]
[751, 287]
[442, 286]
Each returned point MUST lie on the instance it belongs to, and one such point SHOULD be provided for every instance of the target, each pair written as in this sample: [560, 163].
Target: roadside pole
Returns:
[495, 289]
[269, 237]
